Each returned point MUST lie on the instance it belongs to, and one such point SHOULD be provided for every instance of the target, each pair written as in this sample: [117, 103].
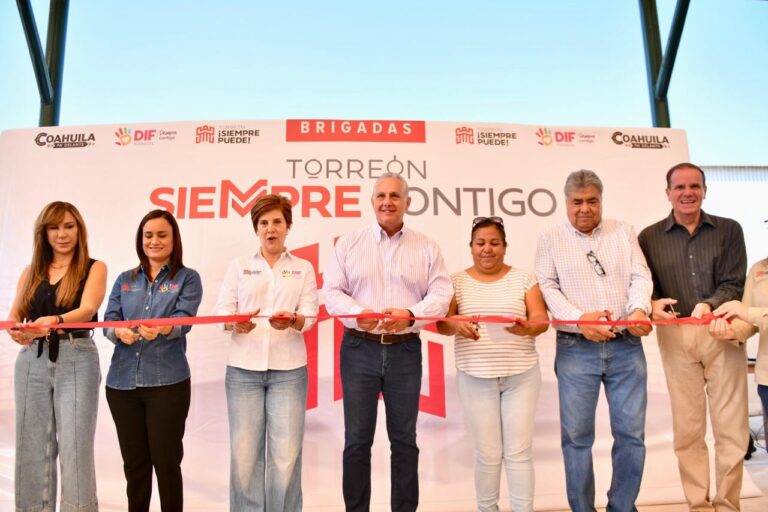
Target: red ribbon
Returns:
[496, 319]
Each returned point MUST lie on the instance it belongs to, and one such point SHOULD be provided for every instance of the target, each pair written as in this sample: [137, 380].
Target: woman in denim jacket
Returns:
[148, 383]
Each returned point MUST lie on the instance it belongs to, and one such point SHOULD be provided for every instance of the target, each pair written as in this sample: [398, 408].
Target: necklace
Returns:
[58, 267]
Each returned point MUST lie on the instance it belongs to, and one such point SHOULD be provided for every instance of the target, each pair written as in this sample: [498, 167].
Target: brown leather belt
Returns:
[384, 339]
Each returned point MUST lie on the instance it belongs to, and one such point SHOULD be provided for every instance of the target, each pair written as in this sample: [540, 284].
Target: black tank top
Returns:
[44, 304]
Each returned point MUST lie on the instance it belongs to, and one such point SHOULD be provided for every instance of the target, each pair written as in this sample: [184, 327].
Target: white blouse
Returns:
[251, 284]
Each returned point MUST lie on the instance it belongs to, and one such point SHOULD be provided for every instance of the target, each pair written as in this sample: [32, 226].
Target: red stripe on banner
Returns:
[338, 334]
[434, 403]
[313, 375]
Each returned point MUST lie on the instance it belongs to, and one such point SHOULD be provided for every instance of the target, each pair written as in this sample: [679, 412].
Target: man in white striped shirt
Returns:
[589, 269]
[384, 268]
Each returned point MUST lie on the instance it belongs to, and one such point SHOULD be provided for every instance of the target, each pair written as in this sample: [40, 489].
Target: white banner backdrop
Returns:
[209, 173]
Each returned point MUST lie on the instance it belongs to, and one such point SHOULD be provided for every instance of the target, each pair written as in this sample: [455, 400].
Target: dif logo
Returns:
[125, 136]
[548, 137]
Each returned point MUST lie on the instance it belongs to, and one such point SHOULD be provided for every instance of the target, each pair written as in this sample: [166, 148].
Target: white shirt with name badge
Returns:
[251, 284]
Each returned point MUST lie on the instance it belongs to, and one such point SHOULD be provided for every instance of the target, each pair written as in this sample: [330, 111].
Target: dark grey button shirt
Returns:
[709, 265]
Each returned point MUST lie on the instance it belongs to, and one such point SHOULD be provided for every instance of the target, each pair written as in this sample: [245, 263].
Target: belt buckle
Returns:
[382, 339]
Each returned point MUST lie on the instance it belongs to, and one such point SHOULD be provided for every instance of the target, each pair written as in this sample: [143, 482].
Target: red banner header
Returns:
[339, 130]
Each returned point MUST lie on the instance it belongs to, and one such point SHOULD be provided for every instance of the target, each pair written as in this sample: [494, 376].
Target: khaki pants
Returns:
[695, 363]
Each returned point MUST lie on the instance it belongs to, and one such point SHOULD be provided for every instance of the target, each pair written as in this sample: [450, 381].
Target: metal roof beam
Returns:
[48, 69]
[54, 54]
[35, 51]
[670, 54]
[652, 41]
[660, 68]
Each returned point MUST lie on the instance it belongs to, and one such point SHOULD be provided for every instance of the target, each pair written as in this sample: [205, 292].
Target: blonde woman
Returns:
[57, 372]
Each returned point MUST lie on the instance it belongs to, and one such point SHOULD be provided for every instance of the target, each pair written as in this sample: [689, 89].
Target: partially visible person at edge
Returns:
[384, 268]
[753, 311]
[591, 269]
[266, 380]
[498, 372]
[57, 371]
[148, 382]
[699, 262]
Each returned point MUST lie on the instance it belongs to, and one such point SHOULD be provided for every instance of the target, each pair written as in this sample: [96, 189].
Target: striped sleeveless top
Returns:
[497, 353]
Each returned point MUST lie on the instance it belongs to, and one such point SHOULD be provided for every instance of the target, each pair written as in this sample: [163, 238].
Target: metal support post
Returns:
[54, 53]
[652, 40]
[35, 51]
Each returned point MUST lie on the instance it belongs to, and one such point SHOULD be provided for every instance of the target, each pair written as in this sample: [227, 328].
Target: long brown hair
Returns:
[42, 257]
[175, 262]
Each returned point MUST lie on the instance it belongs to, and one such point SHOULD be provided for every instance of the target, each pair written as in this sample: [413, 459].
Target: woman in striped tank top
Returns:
[497, 365]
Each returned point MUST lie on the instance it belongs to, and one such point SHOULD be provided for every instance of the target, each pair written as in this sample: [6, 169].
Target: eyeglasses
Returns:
[596, 265]
[494, 220]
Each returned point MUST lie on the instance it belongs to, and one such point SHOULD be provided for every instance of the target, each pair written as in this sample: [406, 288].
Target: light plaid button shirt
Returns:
[571, 283]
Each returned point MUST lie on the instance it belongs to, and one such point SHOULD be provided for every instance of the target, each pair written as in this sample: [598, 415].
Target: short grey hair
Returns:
[396, 176]
[583, 178]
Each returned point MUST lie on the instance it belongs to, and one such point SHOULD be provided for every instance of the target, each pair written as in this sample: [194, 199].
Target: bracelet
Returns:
[59, 319]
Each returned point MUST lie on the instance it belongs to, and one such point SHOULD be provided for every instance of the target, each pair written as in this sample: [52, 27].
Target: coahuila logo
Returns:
[337, 130]
[640, 141]
[125, 136]
[65, 140]
[548, 137]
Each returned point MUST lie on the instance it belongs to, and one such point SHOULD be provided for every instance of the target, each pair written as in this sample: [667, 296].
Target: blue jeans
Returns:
[56, 407]
[266, 433]
[500, 415]
[581, 366]
[367, 369]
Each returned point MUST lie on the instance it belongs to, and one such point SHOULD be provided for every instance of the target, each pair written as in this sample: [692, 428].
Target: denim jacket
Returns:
[163, 361]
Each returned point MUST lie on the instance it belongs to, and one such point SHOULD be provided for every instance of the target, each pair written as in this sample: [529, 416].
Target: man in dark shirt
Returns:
[698, 262]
